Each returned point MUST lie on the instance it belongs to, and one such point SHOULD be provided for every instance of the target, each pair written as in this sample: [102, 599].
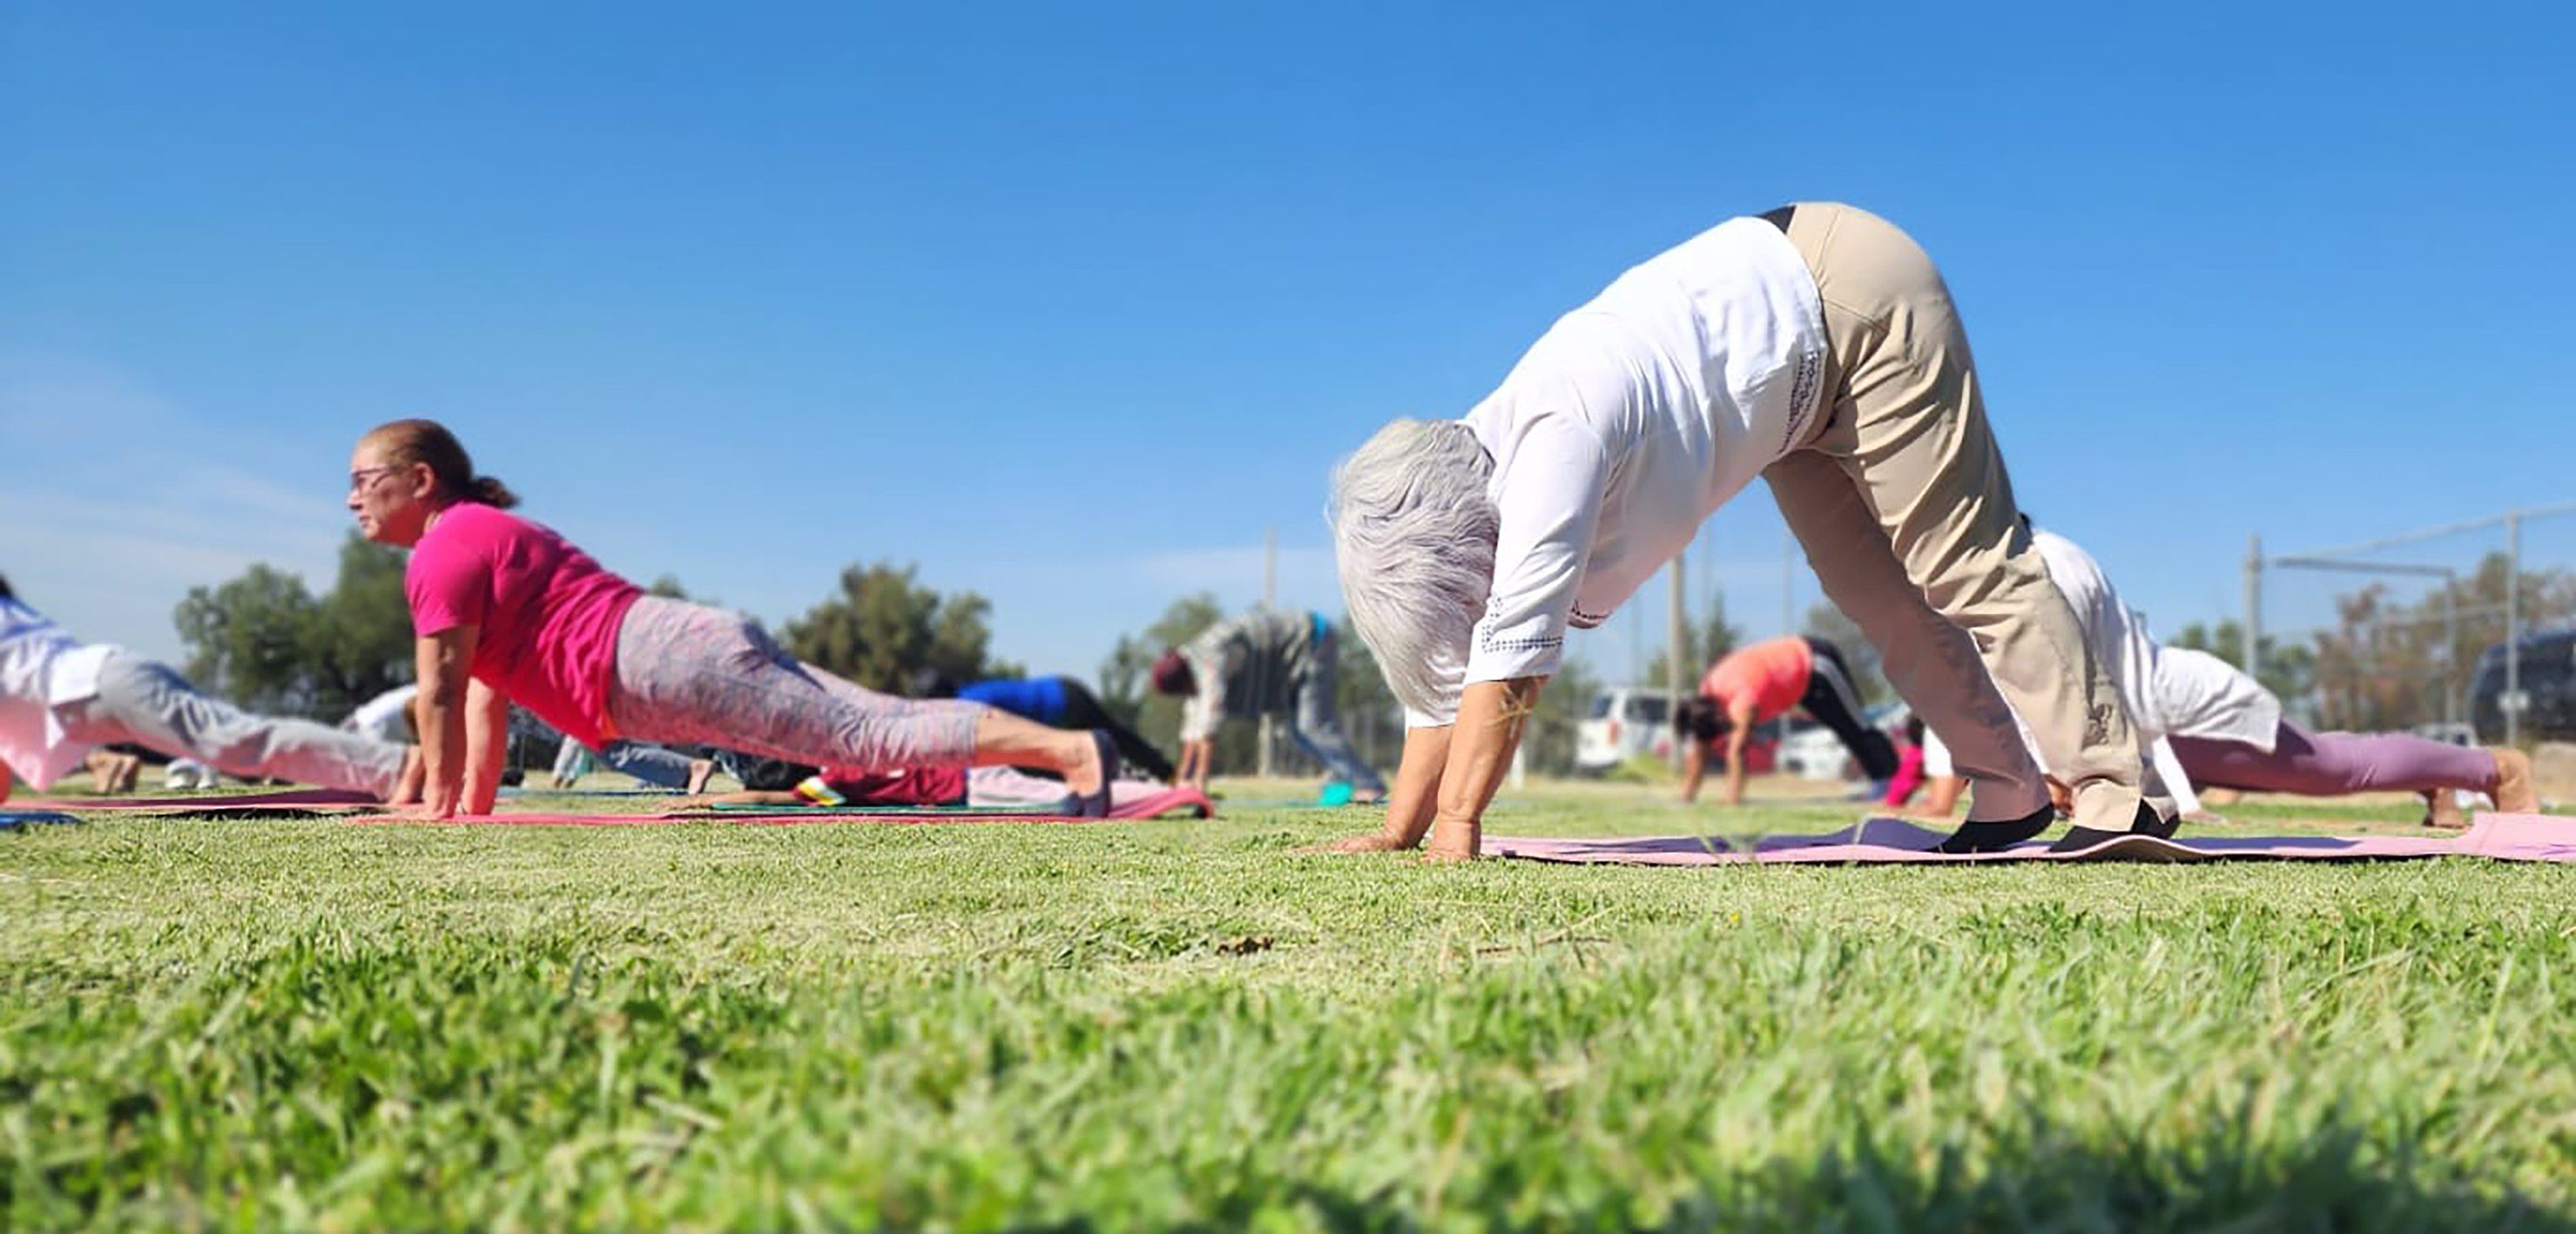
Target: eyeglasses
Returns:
[358, 479]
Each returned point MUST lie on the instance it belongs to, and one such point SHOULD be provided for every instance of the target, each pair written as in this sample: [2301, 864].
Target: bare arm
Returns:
[441, 660]
[1491, 715]
[1740, 718]
[487, 744]
[1694, 764]
[1417, 793]
[747, 797]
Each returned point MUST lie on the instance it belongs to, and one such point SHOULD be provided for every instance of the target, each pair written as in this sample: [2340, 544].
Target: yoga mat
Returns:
[1169, 801]
[297, 797]
[1889, 841]
[18, 820]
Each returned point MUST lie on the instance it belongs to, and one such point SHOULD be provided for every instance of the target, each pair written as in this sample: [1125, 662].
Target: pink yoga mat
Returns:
[1169, 801]
[1890, 841]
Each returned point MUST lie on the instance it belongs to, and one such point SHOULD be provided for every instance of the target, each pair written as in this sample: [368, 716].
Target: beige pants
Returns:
[1902, 505]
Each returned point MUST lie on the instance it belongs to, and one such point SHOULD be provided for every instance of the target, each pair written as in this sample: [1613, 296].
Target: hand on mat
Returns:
[1374, 842]
[1454, 837]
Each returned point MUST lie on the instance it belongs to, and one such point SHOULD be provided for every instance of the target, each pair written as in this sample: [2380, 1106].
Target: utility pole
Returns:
[2512, 699]
[1269, 600]
[1673, 659]
[1788, 582]
[2254, 606]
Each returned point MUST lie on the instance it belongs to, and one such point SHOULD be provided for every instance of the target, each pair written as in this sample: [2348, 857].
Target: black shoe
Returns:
[1976, 837]
[1096, 804]
[2148, 823]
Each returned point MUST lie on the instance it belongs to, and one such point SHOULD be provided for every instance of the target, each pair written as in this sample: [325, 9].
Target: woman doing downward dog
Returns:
[506, 611]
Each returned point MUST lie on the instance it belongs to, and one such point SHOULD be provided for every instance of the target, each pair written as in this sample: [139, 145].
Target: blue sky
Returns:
[1070, 304]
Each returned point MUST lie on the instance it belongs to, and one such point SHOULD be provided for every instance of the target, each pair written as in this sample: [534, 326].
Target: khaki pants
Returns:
[1902, 505]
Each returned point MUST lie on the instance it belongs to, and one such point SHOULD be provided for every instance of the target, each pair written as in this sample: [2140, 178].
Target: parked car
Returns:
[1813, 752]
[2547, 675]
[1626, 721]
[1621, 723]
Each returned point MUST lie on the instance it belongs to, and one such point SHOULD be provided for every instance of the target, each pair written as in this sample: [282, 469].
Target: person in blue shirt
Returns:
[1060, 702]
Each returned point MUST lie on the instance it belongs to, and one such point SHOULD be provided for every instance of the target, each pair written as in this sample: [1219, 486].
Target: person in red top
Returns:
[505, 611]
[1760, 680]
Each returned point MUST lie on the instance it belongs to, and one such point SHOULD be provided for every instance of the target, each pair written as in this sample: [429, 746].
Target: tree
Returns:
[1828, 623]
[1702, 644]
[263, 641]
[248, 639]
[883, 627]
[2287, 671]
[362, 641]
[2386, 665]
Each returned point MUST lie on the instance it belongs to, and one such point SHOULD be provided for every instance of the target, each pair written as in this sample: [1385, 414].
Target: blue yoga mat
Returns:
[12, 820]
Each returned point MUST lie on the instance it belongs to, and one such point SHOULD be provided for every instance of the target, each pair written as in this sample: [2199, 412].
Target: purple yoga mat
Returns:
[1891, 841]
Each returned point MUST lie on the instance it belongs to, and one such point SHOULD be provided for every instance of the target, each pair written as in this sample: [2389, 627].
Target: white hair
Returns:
[1413, 532]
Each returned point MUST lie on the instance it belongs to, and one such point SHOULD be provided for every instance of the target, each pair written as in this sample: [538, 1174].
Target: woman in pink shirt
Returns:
[1760, 680]
[508, 611]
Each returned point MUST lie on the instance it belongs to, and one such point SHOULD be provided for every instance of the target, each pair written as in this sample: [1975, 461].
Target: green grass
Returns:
[264, 1025]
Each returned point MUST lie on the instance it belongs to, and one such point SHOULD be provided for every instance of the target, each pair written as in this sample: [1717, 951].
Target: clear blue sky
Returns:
[1068, 305]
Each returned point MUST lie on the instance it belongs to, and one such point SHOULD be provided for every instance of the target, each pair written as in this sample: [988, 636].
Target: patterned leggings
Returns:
[2331, 764]
[691, 674]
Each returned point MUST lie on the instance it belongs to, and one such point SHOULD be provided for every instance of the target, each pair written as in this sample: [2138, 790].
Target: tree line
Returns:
[266, 641]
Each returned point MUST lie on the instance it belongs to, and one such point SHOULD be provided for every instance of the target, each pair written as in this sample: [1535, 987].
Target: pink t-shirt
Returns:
[548, 614]
[1773, 673]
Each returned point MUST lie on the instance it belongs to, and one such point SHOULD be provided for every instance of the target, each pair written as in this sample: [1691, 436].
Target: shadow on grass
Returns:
[2336, 1180]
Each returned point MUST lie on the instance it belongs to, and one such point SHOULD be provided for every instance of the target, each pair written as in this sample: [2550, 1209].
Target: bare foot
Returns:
[2512, 790]
[1086, 772]
[407, 786]
[700, 771]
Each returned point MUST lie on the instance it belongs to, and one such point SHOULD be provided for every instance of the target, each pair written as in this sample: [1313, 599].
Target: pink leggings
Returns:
[691, 674]
[2329, 764]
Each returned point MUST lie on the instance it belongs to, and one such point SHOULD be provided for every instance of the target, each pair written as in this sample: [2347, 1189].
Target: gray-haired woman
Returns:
[1815, 346]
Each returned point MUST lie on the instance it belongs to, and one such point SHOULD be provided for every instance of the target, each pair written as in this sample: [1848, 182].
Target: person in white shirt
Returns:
[60, 698]
[1815, 346]
[2209, 725]
[387, 716]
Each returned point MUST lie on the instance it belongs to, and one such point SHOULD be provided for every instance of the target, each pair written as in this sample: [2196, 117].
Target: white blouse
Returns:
[1628, 423]
[42, 668]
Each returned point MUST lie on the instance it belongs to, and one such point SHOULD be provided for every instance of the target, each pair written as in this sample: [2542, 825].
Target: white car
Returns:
[1623, 722]
[1813, 752]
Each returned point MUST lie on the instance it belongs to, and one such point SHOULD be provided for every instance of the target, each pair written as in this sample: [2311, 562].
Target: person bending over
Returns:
[62, 700]
[1758, 681]
[982, 788]
[504, 609]
[1264, 662]
[2215, 727]
[1815, 346]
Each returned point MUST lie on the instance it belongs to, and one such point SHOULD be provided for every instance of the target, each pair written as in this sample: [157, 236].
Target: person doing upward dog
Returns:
[506, 610]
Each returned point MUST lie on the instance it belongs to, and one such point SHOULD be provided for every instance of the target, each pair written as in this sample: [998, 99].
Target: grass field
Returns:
[1179, 1024]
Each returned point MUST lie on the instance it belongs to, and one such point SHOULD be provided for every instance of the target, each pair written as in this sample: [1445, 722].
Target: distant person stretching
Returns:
[60, 698]
[1760, 680]
[1057, 702]
[505, 610]
[1264, 662]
